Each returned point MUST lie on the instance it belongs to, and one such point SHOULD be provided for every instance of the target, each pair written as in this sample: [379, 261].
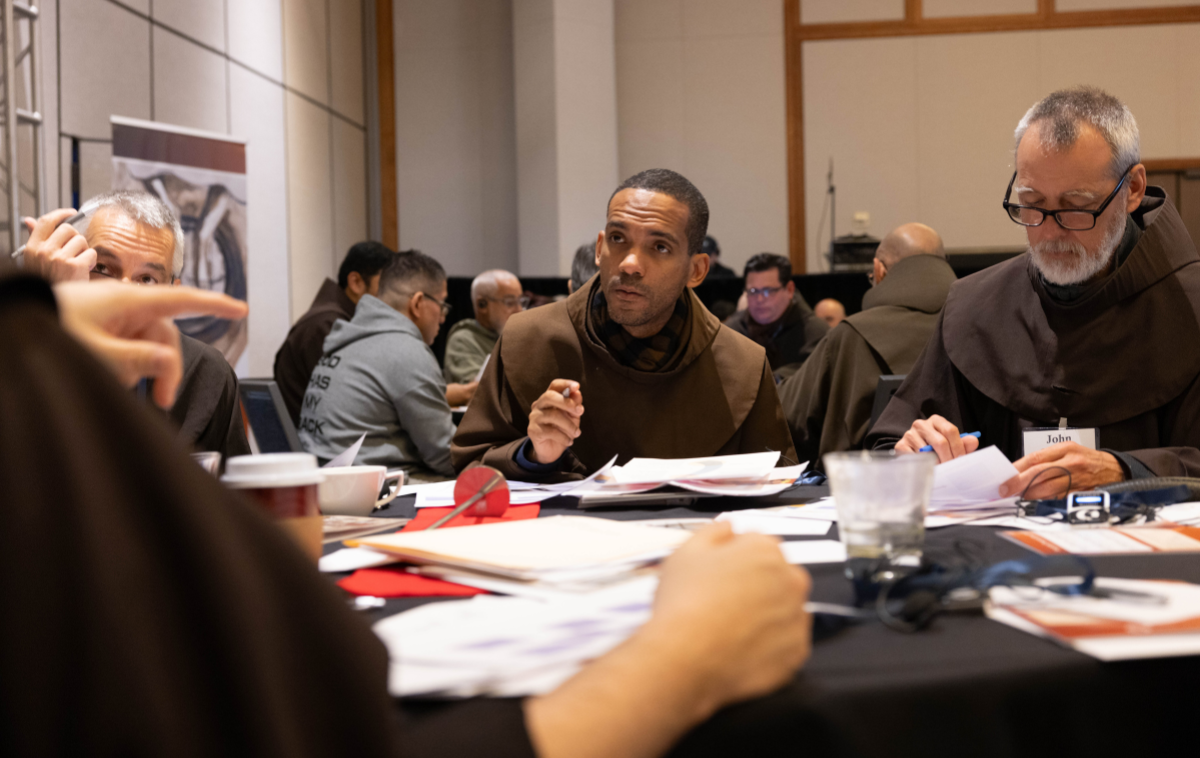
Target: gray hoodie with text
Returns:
[378, 376]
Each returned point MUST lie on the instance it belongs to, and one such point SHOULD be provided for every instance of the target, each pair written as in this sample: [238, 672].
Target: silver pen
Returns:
[69, 220]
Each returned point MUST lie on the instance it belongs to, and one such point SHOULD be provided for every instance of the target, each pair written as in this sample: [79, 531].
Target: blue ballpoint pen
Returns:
[929, 448]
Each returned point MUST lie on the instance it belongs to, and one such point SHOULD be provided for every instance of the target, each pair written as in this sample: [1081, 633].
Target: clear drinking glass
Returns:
[881, 502]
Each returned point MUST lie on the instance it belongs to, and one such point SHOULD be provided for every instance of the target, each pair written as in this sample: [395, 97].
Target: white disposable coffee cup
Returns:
[354, 490]
[285, 486]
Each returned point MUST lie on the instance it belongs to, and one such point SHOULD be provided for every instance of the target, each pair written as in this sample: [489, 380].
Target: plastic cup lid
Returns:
[272, 470]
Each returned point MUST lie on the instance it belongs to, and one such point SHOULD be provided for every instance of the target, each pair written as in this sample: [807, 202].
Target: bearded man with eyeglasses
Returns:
[1094, 332]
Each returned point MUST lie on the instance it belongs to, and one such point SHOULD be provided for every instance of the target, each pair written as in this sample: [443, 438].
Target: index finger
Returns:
[163, 302]
[44, 226]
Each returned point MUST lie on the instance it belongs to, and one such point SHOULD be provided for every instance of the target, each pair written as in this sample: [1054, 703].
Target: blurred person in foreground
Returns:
[134, 238]
[1096, 327]
[191, 624]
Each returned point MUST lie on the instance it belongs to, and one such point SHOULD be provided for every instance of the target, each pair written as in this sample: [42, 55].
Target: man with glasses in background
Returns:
[134, 238]
[495, 295]
[1094, 333]
[379, 377]
[775, 316]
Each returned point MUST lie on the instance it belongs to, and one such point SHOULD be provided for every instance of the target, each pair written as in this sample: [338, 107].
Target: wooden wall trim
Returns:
[1171, 164]
[385, 63]
[1045, 18]
[795, 139]
[913, 24]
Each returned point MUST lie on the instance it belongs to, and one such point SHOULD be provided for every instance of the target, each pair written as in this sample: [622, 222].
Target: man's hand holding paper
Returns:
[1087, 469]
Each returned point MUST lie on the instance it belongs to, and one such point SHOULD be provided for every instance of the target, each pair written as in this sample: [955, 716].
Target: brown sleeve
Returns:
[765, 428]
[496, 425]
[298, 356]
[930, 387]
[1170, 461]
[828, 402]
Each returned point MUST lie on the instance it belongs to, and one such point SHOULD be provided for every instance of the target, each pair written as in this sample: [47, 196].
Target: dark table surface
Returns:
[964, 686]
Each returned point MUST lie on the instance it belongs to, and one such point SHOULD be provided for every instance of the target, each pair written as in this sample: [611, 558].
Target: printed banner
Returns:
[202, 177]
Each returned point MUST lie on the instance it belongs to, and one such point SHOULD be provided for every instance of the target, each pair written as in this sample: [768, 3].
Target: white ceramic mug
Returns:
[352, 490]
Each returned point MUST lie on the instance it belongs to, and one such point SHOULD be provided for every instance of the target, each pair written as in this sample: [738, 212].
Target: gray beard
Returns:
[1083, 265]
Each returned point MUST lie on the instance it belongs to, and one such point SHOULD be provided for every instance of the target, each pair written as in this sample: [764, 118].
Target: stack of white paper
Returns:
[554, 549]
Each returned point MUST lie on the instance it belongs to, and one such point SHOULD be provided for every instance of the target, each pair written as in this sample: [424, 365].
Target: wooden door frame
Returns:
[914, 24]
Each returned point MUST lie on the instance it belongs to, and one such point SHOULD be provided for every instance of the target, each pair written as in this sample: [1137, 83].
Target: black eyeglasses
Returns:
[1075, 220]
[446, 307]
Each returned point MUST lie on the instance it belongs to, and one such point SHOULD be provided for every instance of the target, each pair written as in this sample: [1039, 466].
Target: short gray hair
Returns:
[488, 282]
[146, 209]
[1063, 111]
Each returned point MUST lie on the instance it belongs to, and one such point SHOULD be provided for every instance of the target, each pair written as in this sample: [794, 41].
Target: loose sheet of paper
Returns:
[813, 551]
[767, 522]
[971, 479]
[347, 456]
[750, 466]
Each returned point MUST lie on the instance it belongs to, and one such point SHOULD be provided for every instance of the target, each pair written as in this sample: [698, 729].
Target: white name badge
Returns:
[1036, 439]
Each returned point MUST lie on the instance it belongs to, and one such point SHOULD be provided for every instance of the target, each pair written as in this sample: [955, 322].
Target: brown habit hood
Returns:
[719, 398]
[828, 401]
[1124, 357]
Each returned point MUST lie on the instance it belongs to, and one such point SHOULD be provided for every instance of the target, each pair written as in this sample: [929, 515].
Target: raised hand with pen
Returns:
[56, 250]
[554, 420]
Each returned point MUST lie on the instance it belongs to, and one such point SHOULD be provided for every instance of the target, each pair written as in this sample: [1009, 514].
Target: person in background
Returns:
[776, 317]
[495, 295]
[1096, 327]
[828, 402]
[716, 270]
[134, 238]
[830, 311]
[378, 376]
[299, 353]
[583, 266]
[639, 344]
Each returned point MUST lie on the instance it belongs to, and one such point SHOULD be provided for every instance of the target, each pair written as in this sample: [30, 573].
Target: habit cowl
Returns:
[1122, 355]
[828, 401]
[714, 396]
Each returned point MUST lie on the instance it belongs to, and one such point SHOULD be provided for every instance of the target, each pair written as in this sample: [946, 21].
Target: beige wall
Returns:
[455, 132]
[286, 75]
[920, 128]
[700, 89]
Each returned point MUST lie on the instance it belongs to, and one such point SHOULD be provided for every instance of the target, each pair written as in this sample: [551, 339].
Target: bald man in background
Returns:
[828, 401]
[830, 311]
[495, 295]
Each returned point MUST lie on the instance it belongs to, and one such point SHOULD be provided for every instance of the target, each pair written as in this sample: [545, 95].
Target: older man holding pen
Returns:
[662, 376]
[1081, 359]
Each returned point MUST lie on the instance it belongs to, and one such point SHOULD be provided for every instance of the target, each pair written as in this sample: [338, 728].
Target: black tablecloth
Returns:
[965, 686]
